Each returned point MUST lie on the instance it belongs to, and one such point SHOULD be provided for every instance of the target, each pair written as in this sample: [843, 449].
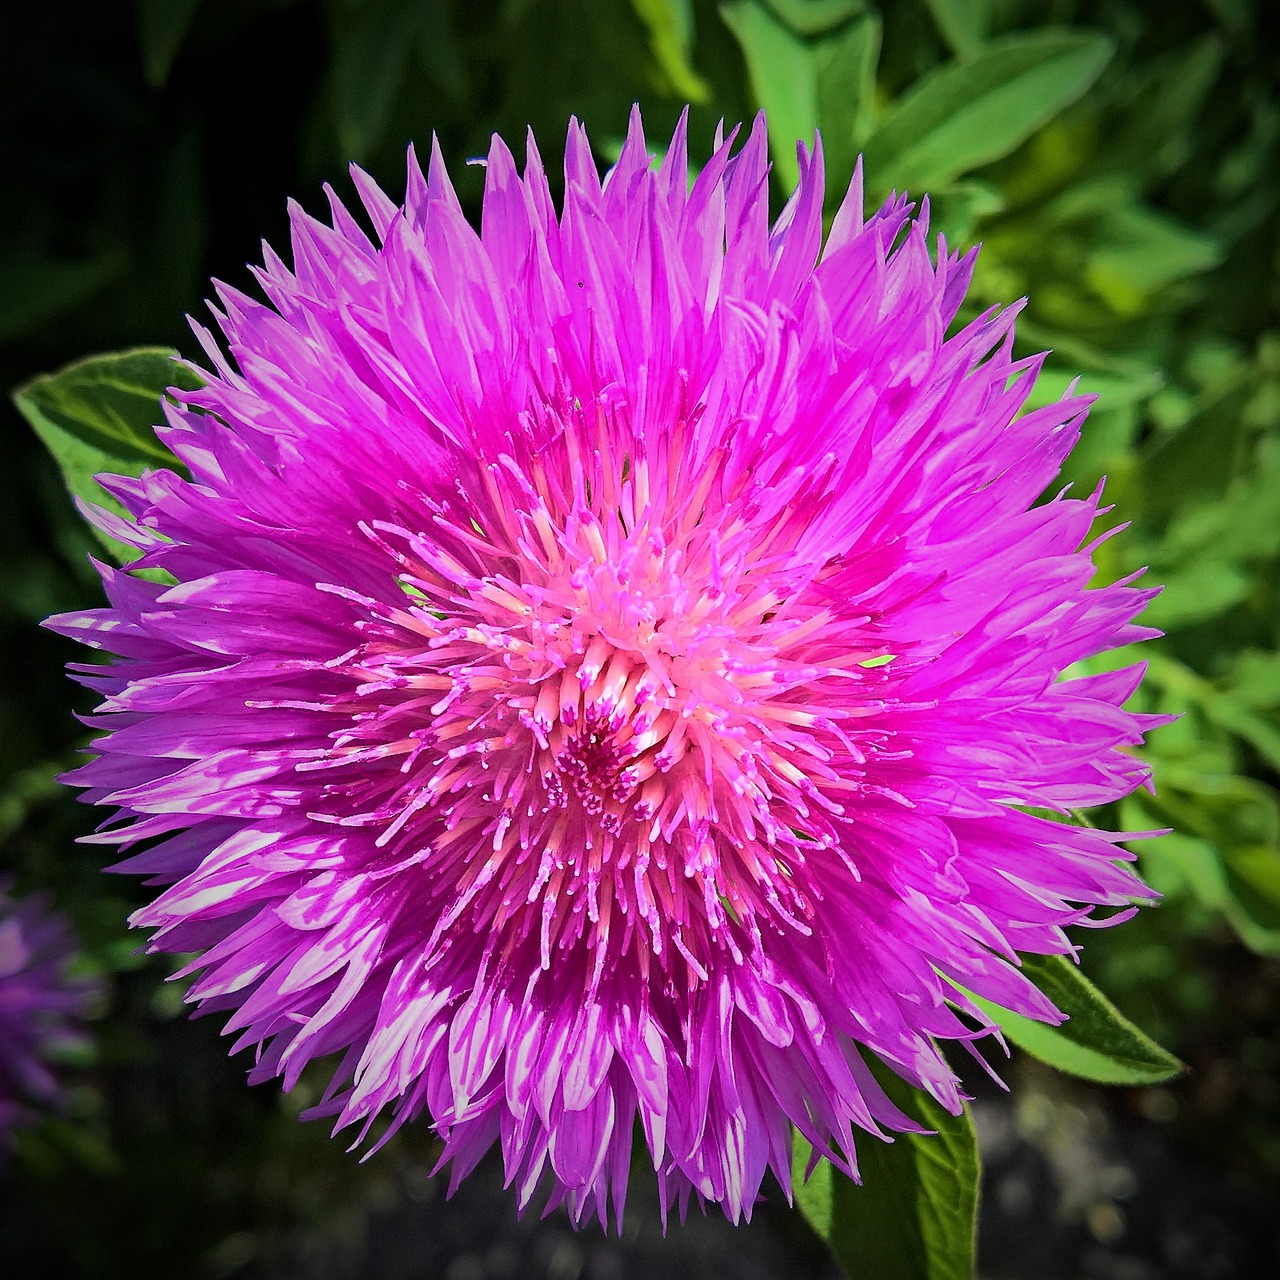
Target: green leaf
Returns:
[1199, 591]
[1197, 462]
[1253, 908]
[914, 1215]
[1097, 1042]
[815, 17]
[1080, 354]
[961, 23]
[803, 85]
[98, 415]
[1223, 708]
[1229, 857]
[1256, 869]
[846, 93]
[35, 289]
[1113, 390]
[1255, 727]
[783, 79]
[670, 26]
[1164, 100]
[1249, 526]
[1141, 252]
[967, 114]
[1177, 863]
[162, 26]
[1255, 679]
[371, 48]
[957, 210]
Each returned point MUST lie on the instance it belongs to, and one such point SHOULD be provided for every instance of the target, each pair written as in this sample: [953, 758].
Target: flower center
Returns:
[603, 731]
[593, 764]
[600, 725]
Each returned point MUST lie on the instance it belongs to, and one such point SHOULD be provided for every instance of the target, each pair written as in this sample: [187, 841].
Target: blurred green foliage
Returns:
[1119, 163]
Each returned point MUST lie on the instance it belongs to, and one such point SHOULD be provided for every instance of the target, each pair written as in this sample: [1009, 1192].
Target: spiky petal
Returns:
[610, 659]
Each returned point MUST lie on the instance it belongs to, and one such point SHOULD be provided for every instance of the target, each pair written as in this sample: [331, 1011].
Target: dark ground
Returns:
[1078, 1185]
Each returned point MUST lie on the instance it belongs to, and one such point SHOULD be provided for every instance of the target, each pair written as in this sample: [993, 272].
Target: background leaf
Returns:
[966, 114]
[783, 78]
[162, 26]
[814, 17]
[846, 93]
[670, 25]
[803, 84]
[35, 290]
[961, 23]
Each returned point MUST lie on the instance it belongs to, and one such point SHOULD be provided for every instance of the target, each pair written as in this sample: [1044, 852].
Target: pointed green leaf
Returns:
[961, 23]
[1097, 1042]
[783, 79]
[1201, 590]
[371, 49]
[162, 26]
[846, 91]
[966, 114]
[814, 17]
[914, 1215]
[35, 289]
[806, 84]
[98, 415]
[1141, 251]
[1165, 99]
[670, 26]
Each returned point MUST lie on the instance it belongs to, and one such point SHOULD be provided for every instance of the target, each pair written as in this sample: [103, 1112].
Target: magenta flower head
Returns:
[40, 1004]
[608, 662]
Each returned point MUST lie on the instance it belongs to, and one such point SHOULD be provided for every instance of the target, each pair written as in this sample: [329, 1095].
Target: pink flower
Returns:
[608, 659]
[39, 1007]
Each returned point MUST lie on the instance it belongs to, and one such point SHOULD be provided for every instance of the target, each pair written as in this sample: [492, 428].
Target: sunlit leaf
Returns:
[914, 1215]
[806, 84]
[1219, 706]
[1141, 252]
[1229, 858]
[1112, 389]
[783, 79]
[1177, 863]
[1255, 679]
[846, 89]
[670, 26]
[1196, 592]
[1097, 1042]
[1253, 874]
